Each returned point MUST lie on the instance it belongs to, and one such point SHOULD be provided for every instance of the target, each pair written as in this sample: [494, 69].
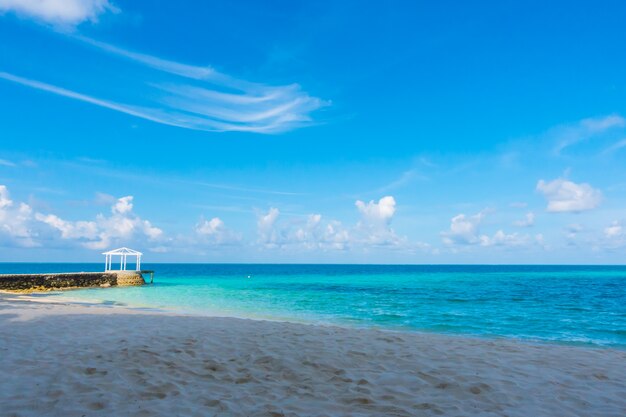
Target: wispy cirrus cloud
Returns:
[569, 135]
[7, 163]
[112, 171]
[139, 112]
[184, 70]
[188, 96]
[230, 187]
[59, 13]
[620, 144]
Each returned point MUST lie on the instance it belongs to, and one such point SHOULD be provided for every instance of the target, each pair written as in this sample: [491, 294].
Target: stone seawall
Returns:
[55, 281]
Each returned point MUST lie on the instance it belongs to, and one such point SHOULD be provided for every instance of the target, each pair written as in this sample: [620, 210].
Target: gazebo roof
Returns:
[122, 251]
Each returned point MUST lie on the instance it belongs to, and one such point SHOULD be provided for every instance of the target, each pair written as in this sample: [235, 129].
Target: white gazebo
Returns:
[123, 253]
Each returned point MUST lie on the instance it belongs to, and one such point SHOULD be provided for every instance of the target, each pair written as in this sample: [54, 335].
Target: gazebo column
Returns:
[138, 264]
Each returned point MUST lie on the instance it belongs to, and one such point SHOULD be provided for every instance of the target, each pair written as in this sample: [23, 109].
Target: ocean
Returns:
[567, 304]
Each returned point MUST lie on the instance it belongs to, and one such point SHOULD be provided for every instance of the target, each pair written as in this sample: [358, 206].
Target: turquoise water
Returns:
[572, 304]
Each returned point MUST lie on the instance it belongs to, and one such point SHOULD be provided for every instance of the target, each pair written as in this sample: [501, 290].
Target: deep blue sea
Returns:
[570, 304]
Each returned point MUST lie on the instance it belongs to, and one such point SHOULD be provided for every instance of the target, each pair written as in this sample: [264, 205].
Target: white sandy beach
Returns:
[77, 360]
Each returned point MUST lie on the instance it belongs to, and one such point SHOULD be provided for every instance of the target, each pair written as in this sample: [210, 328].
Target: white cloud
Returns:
[382, 211]
[267, 221]
[502, 239]
[372, 230]
[465, 231]
[215, 232]
[15, 221]
[268, 236]
[70, 230]
[567, 196]
[615, 230]
[309, 234]
[317, 234]
[58, 12]
[123, 205]
[527, 221]
[305, 234]
[210, 227]
[614, 236]
[119, 228]
[334, 236]
[374, 227]
[5, 200]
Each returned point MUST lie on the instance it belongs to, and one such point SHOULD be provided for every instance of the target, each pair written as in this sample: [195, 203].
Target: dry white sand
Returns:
[69, 360]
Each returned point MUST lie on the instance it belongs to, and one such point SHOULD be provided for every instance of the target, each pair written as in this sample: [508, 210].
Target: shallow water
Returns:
[573, 304]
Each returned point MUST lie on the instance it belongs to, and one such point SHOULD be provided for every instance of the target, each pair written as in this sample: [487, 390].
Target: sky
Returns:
[314, 132]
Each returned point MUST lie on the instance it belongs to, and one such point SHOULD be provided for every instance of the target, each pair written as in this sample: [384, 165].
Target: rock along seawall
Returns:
[56, 281]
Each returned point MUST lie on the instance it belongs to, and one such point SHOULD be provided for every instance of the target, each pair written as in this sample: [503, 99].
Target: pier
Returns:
[69, 280]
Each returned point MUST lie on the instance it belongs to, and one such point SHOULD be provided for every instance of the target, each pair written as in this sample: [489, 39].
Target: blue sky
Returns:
[398, 132]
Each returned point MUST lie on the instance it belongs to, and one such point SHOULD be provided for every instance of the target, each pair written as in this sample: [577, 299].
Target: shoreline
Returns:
[60, 359]
[48, 298]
